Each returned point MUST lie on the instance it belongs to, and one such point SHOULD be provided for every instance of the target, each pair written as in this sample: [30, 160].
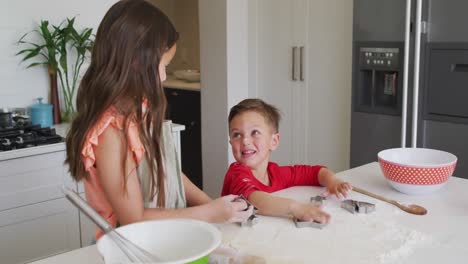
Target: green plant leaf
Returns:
[86, 34]
[31, 54]
[63, 62]
[45, 33]
[36, 64]
[22, 37]
[23, 51]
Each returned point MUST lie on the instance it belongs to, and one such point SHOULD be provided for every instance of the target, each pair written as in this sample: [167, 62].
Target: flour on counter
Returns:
[409, 240]
[343, 241]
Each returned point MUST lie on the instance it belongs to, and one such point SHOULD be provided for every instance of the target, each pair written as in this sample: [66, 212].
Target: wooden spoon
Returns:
[412, 208]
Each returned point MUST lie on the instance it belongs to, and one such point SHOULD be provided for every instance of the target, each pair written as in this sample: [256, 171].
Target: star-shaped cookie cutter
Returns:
[317, 200]
[358, 207]
[253, 219]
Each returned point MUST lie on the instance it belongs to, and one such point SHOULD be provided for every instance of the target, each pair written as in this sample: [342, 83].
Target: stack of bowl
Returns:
[188, 75]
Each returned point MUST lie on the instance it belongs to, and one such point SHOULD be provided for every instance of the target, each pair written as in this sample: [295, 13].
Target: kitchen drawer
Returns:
[37, 231]
[32, 179]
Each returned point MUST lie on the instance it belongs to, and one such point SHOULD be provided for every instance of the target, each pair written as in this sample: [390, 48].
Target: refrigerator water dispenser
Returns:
[379, 78]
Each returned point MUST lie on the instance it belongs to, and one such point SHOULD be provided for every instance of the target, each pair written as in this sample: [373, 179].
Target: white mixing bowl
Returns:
[174, 241]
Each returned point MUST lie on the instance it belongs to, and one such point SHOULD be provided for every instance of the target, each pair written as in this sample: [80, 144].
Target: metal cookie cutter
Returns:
[300, 224]
[253, 219]
[358, 207]
[317, 200]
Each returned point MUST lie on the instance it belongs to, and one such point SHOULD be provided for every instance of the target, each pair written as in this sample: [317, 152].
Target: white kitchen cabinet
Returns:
[38, 230]
[36, 220]
[275, 36]
[303, 51]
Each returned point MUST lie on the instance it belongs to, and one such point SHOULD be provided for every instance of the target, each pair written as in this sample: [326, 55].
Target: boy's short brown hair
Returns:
[269, 112]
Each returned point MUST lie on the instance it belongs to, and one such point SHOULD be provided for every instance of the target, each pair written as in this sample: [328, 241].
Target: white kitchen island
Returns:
[387, 235]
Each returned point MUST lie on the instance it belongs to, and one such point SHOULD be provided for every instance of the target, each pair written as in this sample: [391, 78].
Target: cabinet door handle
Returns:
[174, 94]
[294, 63]
[301, 62]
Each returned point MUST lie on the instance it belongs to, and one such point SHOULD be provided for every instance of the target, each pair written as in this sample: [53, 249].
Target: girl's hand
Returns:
[308, 212]
[339, 188]
[229, 209]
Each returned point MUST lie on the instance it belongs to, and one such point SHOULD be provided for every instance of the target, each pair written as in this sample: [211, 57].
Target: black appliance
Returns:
[184, 108]
[410, 78]
[25, 135]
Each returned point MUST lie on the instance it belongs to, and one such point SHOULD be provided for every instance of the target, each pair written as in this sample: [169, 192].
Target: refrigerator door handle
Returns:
[417, 53]
[405, 73]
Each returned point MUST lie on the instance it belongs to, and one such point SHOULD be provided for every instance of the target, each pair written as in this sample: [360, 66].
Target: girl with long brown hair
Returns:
[119, 143]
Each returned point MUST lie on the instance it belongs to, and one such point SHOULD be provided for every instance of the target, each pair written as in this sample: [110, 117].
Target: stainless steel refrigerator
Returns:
[410, 78]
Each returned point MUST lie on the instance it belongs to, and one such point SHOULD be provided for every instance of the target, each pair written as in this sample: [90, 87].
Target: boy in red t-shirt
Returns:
[253, 133]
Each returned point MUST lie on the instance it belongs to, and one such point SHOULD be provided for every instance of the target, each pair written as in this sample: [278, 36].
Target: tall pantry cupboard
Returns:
[300, 61]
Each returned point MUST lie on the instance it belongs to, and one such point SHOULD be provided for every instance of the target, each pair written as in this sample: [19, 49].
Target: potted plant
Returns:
[63, 49]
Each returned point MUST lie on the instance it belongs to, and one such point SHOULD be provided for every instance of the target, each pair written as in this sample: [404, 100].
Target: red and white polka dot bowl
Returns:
[416, 170]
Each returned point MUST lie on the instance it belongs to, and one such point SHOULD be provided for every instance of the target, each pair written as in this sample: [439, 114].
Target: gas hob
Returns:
[26, 136]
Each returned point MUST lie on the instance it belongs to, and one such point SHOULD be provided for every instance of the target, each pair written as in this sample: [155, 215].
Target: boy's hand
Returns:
[308, 212]
[339, 188]
[229, 209]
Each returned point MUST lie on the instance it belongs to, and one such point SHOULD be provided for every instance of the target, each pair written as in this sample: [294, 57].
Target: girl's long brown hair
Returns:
[130, 42]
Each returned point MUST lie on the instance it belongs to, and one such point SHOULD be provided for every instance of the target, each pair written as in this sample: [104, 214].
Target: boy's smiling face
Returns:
[252, 139]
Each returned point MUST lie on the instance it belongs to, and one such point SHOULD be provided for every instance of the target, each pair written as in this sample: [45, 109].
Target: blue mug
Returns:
[41, 114]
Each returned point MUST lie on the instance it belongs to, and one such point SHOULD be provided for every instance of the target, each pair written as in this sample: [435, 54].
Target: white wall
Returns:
[224, 67]
[20, 86]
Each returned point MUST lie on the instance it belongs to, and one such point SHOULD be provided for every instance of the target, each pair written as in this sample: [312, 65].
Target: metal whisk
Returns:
[133, 252]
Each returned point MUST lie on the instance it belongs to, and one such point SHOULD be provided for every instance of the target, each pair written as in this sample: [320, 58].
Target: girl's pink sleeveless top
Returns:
[94, 193]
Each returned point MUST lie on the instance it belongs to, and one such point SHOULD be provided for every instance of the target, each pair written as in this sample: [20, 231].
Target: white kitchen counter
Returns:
[387, 235]
[19, 153]
[173, 82]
